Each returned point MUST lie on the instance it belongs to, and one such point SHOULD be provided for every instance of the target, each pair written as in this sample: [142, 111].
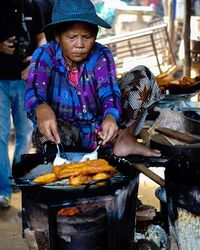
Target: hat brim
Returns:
[90, 18]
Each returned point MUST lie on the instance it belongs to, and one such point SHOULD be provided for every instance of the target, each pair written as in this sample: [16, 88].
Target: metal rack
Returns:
[150, 47]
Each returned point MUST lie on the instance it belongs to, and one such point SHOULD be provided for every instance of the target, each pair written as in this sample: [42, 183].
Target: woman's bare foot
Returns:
[126, 145]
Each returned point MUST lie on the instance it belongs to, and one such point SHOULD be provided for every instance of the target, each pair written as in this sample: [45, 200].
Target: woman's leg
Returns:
[140, 91]
[126, 144]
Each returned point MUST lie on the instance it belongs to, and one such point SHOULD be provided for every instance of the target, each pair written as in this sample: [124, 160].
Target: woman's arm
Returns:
[108, 89]
[109, 95]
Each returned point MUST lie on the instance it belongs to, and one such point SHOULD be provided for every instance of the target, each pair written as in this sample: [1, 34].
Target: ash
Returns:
[187, 229]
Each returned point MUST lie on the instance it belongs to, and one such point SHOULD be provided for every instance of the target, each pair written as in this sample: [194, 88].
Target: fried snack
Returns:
[84, 179]
[78, 164]
[46, 178]
[164, 83]
[80, 180]
[187, 80]
[89, 167]
[175, 85]
[100, 176]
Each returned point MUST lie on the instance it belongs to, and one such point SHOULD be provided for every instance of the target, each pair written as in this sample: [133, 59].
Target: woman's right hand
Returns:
[46, 122]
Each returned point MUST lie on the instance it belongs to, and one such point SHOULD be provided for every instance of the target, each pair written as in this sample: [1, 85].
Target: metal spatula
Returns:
[91, 156]
[58, 159]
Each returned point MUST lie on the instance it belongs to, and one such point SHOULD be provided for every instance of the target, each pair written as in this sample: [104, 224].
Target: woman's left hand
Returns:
[109, 129]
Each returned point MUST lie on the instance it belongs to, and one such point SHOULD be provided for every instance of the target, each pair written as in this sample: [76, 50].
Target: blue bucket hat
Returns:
[75, 10]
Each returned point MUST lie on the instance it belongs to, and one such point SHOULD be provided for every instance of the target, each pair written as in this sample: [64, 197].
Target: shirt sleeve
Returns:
[38, 81]
[108, 89]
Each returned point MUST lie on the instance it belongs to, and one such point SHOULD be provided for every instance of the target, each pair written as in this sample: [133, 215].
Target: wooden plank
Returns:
[183, 137]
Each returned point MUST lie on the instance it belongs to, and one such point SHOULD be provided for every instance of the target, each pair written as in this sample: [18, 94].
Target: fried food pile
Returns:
[166, 82]
[79, 172]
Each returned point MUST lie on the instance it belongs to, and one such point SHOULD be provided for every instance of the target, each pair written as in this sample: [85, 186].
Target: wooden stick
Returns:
[146, 171]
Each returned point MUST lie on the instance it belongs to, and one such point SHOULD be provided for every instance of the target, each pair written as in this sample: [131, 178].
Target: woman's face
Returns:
[76, 42]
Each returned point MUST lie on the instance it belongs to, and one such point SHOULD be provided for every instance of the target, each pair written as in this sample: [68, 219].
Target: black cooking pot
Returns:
[192, 122]
[182, 187]
[182, 175]
[191, 152]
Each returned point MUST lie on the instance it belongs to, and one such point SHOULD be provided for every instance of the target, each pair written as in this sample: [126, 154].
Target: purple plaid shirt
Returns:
[84, 106]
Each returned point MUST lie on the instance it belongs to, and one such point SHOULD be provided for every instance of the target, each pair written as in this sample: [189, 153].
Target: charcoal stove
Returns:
[182, 175]
[105, 219]
[183, 201]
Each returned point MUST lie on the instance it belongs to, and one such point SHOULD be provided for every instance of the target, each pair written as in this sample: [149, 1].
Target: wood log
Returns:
[183, 137]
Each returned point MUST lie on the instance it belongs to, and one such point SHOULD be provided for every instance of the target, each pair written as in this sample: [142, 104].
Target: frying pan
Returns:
[30, 161]
[127, 166]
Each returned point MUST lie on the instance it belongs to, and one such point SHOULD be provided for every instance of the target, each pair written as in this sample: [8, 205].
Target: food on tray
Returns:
[80, 180]
[46, 178]
[188, 80]
[100, 176]
[78, 172]
[89, 167]
[171, 84]
[84, 179]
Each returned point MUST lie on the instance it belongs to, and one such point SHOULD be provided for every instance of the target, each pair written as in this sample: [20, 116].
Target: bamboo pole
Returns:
[186, 38]
[171, 21]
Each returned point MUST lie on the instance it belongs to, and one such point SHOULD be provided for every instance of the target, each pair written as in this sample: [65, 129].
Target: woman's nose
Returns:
[79, 42]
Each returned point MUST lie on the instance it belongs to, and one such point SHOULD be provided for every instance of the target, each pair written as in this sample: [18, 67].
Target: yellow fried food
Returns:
[80, 180]
[100, 176]
[89, 167]
[74, 165]
[46, 178]
[186, 80]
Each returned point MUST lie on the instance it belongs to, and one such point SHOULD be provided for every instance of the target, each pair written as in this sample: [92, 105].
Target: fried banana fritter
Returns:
[80, 180]
[100, 176]
[46, 178]
[90, 167]
[79, 173]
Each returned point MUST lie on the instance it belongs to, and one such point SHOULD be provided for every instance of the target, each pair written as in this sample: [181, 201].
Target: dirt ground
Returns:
[11, 229]
[10, 222]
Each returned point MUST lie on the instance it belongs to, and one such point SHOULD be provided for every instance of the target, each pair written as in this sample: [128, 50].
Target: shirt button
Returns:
[78, 93]
[84, 110]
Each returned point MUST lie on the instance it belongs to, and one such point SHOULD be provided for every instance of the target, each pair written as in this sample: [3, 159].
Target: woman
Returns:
[72, 95]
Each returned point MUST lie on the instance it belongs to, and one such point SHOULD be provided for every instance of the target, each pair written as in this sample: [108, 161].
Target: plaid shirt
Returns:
[85, 105]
